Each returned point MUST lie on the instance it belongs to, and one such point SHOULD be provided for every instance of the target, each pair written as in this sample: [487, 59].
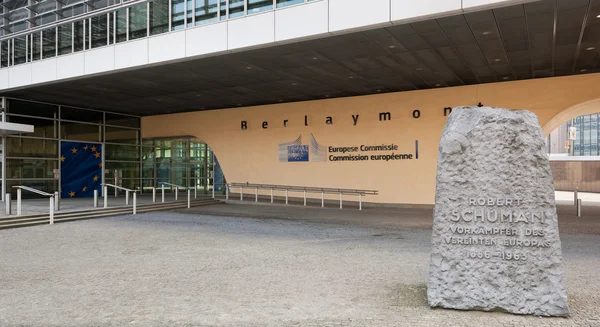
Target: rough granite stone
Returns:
[495, 242]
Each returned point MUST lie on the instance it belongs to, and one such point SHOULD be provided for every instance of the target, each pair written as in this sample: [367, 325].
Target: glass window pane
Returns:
[122, 152]
[121, 25]
[129, 169]
[49, 43]
[159, 17]
[30, 168]
[111, 28]
[89, 116]
[78, 42]
[177, 14]
[32, 108]
[65, 39]
[122, 135]
[81, 132]
[206, 11]
[138, 21]
[20, 47]
[99, 31]
[255, 6]
[36, 39]
[236, 8]
[120, 120]
[283, 3]
[223, 8]
[24, 147]
[148, 162]
[41, 127]
[4, 54]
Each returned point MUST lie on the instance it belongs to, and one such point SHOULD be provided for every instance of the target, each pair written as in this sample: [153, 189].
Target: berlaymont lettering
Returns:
[383, 116]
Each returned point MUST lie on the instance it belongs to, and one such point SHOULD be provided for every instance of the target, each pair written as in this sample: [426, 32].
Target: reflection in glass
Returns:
[26, 148]
[41, 127]
[32, 108]
[20, 48]
[49, 43]
[284, 3]
[122, 120]
[121, 152]
[121, 135]
[255, 6]
[81, 132]
[206, 11]
[121, 15]
[223, 9]
[4, 54]
[30, 168]
[128, 169]
[236, 8]
[78, 41]
[36, 39]
[190, 13]
[77, 114]
[138, 21]
[159, 17]
[65, 39]
[99, 31]
[177, 14]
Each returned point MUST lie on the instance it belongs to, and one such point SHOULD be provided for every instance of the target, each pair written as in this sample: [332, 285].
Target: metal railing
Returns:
[105, 195]
[304, 189]
[177, 187]
[54, 200]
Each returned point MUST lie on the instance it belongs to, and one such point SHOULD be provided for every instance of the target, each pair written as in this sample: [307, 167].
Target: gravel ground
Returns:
[255, 265]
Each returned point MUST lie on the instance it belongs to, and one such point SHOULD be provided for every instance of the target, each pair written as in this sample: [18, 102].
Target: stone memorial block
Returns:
[495, 243]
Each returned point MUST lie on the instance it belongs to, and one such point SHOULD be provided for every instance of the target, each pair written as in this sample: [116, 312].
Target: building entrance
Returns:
[80, 169]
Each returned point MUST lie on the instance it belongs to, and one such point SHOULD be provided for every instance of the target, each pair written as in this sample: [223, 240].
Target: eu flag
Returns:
[80, 169]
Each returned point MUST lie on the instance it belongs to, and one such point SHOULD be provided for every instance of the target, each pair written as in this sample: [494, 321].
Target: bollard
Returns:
[127, 197]
[52, 210]
[154, 195]
[163, 193]
[95, 198]
[579, 208]
[18, 202]
[241, 193]
[360, 202]
[286, 196]
[196, 191]
[176, 193]
[256, 194]
[575, 196]
[56, 201]
[271, 195]
[226, 192]
[340, 200]
[134, 203]
[305, 198]
[189, 198]
[213, 191]
[105, 195]
[322, 199]
[8, 204]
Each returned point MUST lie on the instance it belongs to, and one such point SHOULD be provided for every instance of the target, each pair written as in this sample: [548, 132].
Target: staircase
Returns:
[66, 216]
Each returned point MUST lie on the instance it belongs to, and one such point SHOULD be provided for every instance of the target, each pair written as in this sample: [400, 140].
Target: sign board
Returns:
[56, 173]
[572, 133]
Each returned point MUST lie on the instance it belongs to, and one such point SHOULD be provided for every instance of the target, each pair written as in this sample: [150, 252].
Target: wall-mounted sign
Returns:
[572, 133]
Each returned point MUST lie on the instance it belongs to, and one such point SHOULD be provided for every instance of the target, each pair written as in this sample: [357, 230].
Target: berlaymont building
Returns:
[347, 94]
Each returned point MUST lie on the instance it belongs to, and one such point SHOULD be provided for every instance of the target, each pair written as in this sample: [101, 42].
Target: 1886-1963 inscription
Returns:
[495, 242]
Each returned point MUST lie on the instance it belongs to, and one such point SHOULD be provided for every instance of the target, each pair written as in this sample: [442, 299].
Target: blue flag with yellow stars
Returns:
[80, 169]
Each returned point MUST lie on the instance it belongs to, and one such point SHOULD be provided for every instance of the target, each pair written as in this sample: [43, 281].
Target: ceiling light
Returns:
[327, 95]
[392, 46]
[351, 77]
[505, 78]
[248, 67]
[419, 69]
[486, 33]
[583, 70]
[438, 85]
[294, 84]
[598, 16]
[497, 59]
[315, 58]
[590, 48]
[239, 104]
[378, 90]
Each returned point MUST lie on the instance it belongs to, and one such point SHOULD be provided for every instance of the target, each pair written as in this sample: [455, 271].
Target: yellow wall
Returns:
[252, 155]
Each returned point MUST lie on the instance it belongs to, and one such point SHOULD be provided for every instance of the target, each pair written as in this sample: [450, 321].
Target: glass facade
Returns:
[78, 25]
[32, 159]
[586, 141]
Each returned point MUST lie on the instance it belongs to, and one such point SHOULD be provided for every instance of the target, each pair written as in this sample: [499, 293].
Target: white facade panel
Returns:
[19, 75]
[351, 14]
[206, 39]
[131, 54]
[70, 65]
[4, 79]
[166, 47]
[43, 71]
[100, 60]
[410, 9]
[251, 31]
[481, 4]
[302, 21]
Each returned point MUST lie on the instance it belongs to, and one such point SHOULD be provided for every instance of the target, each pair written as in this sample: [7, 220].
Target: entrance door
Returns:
[80, 169]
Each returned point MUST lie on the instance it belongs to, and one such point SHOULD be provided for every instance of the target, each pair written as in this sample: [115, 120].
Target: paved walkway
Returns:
[256, 265]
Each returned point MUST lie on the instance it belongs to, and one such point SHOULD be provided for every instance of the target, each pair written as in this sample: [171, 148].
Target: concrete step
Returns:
[26, 221]
[92, 210]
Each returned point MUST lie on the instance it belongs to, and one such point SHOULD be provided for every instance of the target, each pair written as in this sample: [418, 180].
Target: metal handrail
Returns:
[105, 195]
[118, 187]
[54, 200]
[304, 189]
[170, 184]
